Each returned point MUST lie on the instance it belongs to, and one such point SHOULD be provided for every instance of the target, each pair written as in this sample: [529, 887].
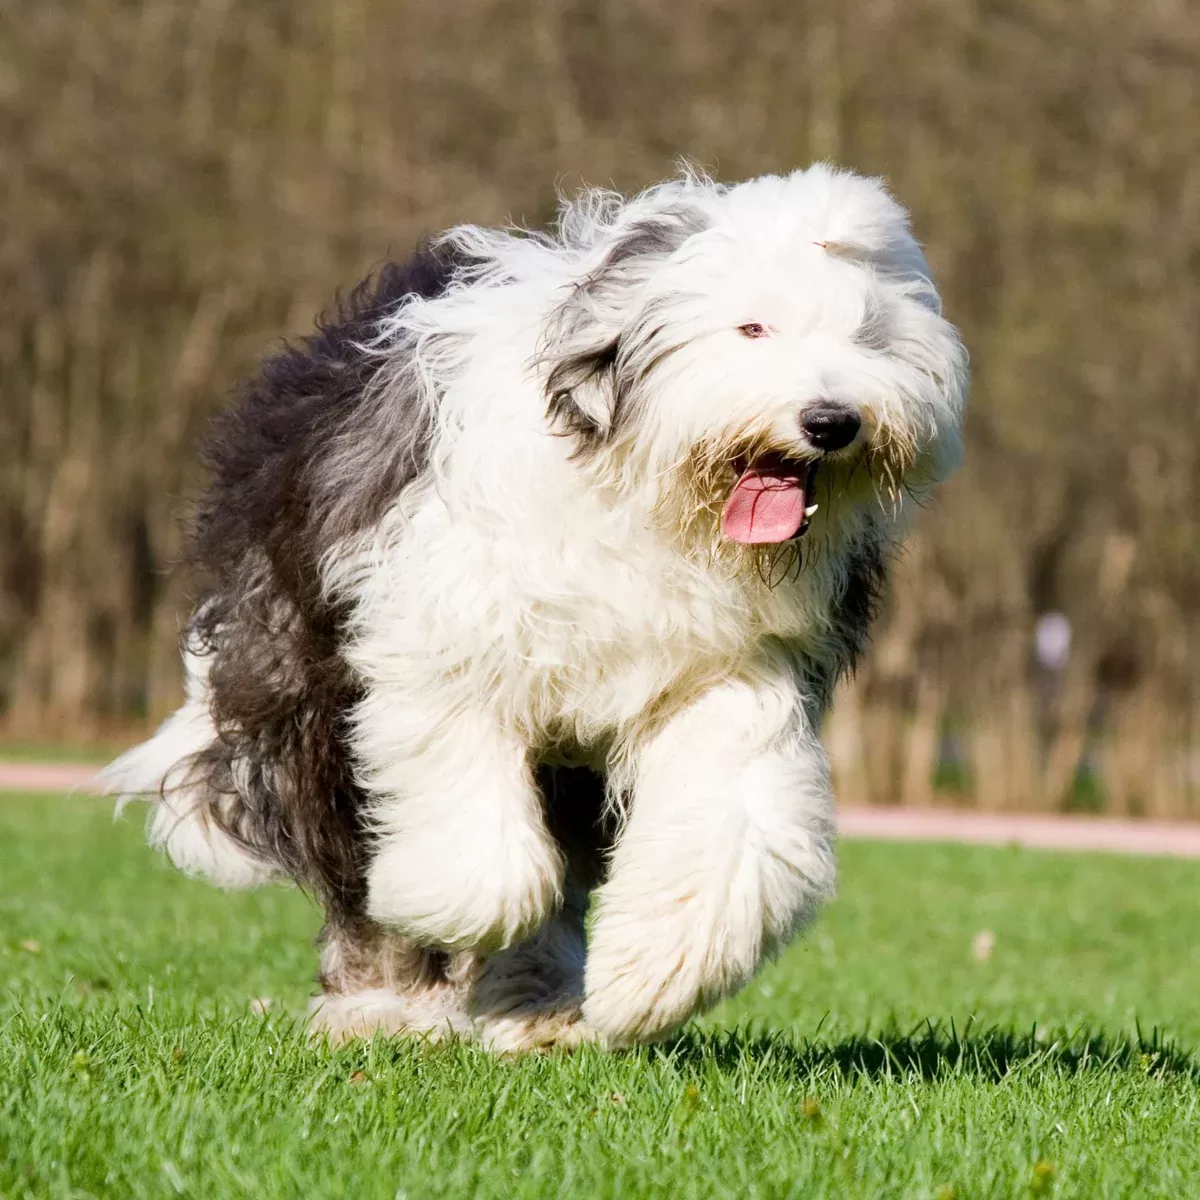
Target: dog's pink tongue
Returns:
[764, 508]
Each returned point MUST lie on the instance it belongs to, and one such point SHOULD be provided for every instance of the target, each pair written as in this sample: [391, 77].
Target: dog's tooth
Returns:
[812, 508]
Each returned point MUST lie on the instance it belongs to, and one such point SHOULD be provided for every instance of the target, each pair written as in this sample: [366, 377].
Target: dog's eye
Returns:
[753, 329]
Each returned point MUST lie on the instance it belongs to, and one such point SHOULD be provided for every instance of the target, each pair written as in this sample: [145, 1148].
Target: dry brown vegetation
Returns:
[183, 182]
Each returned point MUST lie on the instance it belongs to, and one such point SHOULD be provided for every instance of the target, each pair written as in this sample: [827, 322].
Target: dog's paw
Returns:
[460, 894]
[433, 1016]
[536, 1032]
[644, 979]
[632, 999]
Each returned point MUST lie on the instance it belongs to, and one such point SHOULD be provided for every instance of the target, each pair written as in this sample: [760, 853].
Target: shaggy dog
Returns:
[529, 578]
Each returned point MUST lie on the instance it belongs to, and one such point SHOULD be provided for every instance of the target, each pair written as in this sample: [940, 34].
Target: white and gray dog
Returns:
[528, 580]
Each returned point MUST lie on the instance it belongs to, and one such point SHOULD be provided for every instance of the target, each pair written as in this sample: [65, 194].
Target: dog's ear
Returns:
[586, 388]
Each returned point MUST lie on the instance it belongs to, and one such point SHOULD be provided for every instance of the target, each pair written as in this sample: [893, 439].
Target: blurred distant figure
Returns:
[1051, 652]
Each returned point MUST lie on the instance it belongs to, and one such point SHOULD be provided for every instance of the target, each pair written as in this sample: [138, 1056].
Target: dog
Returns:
[527, 580]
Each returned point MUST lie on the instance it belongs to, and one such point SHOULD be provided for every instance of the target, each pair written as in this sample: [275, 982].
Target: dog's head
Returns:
[748, 352]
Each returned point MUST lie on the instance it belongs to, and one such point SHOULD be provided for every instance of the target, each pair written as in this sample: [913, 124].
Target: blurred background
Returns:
[183, 183]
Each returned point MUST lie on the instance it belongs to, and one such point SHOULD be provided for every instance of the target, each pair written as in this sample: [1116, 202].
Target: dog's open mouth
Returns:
[771, 501]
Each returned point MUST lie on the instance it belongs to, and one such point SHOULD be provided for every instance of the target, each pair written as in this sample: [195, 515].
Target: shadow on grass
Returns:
[930, 1052]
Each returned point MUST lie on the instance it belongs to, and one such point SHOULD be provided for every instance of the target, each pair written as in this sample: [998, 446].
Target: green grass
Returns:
[24, 750]
[879, 1057]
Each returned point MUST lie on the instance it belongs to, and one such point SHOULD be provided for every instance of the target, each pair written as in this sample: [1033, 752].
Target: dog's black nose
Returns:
[829, 425]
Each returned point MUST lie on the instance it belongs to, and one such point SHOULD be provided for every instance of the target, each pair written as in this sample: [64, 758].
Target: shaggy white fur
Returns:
[561, 585]
[521, 599]
[179, 822]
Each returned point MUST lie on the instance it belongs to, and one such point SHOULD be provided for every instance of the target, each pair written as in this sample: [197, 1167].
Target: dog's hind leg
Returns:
[373, 980]
[530, 996]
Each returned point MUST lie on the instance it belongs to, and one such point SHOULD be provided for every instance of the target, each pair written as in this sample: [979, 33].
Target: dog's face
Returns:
[763, 347]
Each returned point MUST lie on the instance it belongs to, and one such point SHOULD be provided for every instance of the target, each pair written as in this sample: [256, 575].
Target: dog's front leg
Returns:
[463, 859]
[727, 851]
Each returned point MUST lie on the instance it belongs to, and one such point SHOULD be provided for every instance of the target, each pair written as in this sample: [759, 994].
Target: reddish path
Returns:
[46, 777]
[1177, 839]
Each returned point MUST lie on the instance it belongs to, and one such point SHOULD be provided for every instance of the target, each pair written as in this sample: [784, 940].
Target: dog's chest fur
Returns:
[577, 628]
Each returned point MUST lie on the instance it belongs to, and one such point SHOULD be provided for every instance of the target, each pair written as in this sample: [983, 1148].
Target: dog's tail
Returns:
[164, 771]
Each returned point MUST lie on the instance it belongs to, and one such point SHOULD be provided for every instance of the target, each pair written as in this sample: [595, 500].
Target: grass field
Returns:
[882, 1056]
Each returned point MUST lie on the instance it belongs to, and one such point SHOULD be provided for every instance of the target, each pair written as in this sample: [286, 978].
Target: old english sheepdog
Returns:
[528, 578]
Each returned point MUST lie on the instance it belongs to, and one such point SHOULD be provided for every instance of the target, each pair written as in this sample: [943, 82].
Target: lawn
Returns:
[884, 1055]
